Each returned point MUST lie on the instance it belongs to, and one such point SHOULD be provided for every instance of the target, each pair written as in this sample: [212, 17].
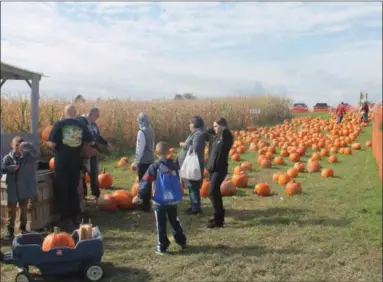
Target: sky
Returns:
[309, 52]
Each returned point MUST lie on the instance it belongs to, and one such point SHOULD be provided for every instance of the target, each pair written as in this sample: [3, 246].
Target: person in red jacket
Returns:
[340, 111]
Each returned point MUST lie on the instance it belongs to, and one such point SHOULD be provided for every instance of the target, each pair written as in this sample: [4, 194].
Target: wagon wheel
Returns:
[94, 272]
[23, 276]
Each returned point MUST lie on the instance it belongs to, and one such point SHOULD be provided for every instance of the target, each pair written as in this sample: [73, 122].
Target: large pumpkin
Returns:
[205, 188]
[313, 166]
[228, 188]
[240, 180]
[123, 198]
[57, 239]
[105, 180]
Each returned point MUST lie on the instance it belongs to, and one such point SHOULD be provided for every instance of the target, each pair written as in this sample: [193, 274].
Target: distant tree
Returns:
[189, 96]
[178, 97]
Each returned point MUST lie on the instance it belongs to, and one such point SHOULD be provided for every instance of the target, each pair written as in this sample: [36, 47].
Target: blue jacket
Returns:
[151, 175]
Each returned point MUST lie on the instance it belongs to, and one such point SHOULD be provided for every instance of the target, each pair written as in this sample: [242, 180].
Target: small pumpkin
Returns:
[265, 163]
[262, 189]
[276, 176]
[327, 172]
[52, 163]
[356, 146]
[293, 188]
[295, 157]
[105, 180]
[57, 239]
[235, 157]
[279, 161]
[313, 166]
[247, 166]
[283, 179]
[300, 167]
[240, 180]
[292, 172]
[333, 159]
[122, 162]
[368, 144]
[205, 188]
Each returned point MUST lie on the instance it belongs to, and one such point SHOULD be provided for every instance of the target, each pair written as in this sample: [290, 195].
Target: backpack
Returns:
[167, 187]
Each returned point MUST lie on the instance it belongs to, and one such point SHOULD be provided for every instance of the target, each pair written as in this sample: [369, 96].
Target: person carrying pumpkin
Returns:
[340, 112]
[364, 110]
[144, 152]
[69, 139]
[163, 178]
[20, 166]
[220, 142]
[194, 143]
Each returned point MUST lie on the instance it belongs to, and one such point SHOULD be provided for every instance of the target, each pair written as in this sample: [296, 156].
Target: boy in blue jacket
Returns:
[164, 177]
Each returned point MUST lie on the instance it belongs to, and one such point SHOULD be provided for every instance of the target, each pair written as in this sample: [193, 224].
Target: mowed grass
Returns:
[332, 232]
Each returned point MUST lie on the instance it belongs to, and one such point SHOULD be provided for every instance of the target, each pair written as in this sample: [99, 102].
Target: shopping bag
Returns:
[190, 168]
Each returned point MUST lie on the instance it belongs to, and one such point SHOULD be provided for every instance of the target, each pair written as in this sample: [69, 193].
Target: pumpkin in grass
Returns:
[295, 157]
[123, 198]
[265, 163]
[315, 157]
[327, 172]
[292, 172]
[284, 153]
[228, 188]
[313, 166]
[240, 180]
[247, 166]
[332, 159]
[293, 188]
[368, 144]
[347, 151]
[276, 176]
[107, 203]
[235, 157]
[46, 133]
[52, 163]
[57, 239]
[324, 152]
[237, 169]
[205, 188]
[105, 180]
[300, 167]
[279, 161]
[283, 179]
[262, 189]
[356, 146]
[122, 162]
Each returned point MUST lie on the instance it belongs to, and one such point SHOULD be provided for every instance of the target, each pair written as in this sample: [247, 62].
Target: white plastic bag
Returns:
[191, 169]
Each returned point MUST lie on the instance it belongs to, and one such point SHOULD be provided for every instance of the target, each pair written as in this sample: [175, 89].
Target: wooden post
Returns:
[35, 89]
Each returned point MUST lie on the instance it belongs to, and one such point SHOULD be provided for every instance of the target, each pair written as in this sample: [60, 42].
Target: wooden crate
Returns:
[41, 213]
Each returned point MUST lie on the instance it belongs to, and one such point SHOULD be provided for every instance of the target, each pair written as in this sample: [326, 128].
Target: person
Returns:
[220, 142]
[364, 110]
[340, 112]
[91, 165]
[163, 176]
[69, 138]
[195, 142]
[144, 152]
[20, 166]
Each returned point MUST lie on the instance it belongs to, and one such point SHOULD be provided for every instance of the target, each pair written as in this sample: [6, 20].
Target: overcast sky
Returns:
[311, 52]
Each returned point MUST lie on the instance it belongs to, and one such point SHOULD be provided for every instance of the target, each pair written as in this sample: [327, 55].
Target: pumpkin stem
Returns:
[82, 221]
[103, 170]
[56, 230]
[90, 221]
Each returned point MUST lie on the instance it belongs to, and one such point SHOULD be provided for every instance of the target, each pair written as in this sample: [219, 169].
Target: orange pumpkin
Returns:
[105, 180]
[293, 188]
[107, 203]
[57, 239]
[356, 146]
[292, 172]
[228, 188]
[52, 163]
[235, 157]
[276, 176]
[313, 166]
[237, 170]
[240, 180]
[46, 133]
[333, 159]
[279, 161]
[295, 157]
[123, 198]
[205, 188]
[247, 166]
[265, 163]
[262, 189]
[283, 179]
[368, 144]
[327, 172]
[300, 167]
[122, 162]
[134, 189]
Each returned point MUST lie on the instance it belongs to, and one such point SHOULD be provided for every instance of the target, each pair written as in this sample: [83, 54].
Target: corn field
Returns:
[170, 118]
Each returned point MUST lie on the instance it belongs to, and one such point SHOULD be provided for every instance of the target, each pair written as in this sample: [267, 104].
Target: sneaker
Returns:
[191, 212]
[161, 253]
[214, 224]
[188, 210]
[9, 235]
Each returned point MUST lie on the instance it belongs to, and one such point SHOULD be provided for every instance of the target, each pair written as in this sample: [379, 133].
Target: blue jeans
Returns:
[194, 188]
[340, 118]
[365, 117]
[162, 214]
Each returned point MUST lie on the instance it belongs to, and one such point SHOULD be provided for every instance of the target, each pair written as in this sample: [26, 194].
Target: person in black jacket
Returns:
[220, 142]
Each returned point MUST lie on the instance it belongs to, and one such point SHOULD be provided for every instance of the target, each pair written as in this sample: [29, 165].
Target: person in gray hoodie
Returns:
[20, 165]
[196, 142]
[144, 152]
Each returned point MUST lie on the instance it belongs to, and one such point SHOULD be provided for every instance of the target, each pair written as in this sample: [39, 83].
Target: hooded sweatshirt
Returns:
[145, 141]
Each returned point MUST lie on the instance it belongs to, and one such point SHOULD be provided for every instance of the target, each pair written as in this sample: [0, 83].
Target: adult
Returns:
[340, 111]
[364, 110]
[220, 142]
[194, 143]
[69, 138]
[144, 152]
[92, 163]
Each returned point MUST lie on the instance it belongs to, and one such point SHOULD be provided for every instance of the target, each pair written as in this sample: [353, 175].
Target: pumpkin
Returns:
[300, 167]
[240, 180]
[265, 163]
[333, 159]
[279, 161]
[262, 189]
[52, 163]
[356, 146]
[237, 170]
[324, 152]
[46, 133]
[205, 173]
[327, 172]
[276, 176]
[57, 239]
[347, 151]
[293, 188]
[122, 162]
[283, 179]
[228, 188]
[134, 189]
[123, 198]
[205, 188]
[315, 157]
[107, 203]
[295, 157]
[85, 231]
[235, 157]
[247, 166]
[292, 172]
[368, 144]
[284, 153]
[105, 180]
[313, 166]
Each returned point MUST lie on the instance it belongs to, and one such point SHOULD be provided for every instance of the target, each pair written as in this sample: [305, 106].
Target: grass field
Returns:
[331, 232]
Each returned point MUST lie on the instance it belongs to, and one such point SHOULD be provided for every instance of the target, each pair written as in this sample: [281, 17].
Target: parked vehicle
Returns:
[299, 108]
[321, 107]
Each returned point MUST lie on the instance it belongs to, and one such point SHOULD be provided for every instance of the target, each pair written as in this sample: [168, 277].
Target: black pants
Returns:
[216, 179]
[162, 214]
[141, 170]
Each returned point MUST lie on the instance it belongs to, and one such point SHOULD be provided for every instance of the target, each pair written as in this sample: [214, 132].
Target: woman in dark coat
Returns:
[196, 142]
[221, 141]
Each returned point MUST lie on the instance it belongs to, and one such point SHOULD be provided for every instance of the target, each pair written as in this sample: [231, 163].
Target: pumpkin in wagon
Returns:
[85, 230]
[57, 239]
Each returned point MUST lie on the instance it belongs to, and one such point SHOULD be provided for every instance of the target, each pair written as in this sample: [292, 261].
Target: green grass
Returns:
[332, 232]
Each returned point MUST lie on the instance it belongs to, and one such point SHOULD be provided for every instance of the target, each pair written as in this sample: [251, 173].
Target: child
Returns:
[164, 178]
[20, 166]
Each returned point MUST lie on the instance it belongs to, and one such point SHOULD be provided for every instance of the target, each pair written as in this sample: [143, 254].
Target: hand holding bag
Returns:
[191, 169]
